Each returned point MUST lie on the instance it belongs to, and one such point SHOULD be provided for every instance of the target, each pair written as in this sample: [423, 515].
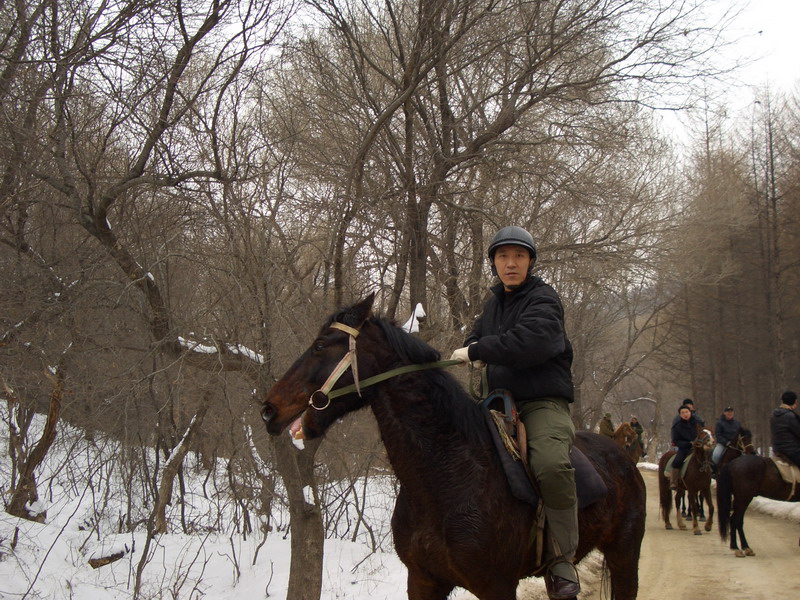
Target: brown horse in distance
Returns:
[696, 482]
[456, 522]
[742, 443]
[626, 438]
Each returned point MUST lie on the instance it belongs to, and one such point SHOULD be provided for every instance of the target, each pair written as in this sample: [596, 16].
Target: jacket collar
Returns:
[499, 291]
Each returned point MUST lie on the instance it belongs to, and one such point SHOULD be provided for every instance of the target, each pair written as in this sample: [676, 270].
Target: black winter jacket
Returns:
[785, 426]
[684, 433]
[726, 430]
[521, 338]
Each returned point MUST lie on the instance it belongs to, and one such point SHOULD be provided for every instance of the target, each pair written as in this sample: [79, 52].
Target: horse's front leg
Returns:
[707, 496]
[694, 510]
[678, 517]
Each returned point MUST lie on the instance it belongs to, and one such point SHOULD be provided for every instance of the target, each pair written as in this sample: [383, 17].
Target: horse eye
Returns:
[319, 346]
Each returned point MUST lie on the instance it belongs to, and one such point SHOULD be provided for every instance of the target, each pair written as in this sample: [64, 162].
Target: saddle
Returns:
[668, 466]
[789, 471]
[508, 434]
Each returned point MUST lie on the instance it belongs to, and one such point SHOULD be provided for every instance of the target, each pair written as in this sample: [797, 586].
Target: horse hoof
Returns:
[698, 532]
[708, 526]
[682, 527]
[668, 526]
[701, 518]
[739, 553]
[749, 552]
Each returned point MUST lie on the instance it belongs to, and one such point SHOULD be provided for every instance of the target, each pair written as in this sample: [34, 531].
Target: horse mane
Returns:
[408, 347]
[446, 395]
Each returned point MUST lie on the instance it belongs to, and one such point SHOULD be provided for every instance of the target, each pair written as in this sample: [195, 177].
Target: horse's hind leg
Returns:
[622, 561]
[737, 526]
[746, 550]
[421, 587]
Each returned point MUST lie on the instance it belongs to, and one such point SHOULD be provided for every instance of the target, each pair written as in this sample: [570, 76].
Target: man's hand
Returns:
[462, 354]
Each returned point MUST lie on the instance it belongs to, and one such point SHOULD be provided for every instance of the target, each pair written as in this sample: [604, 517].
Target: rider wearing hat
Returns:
[683, 433]
[520, 337]
[606, 426]
[724, 432]
[785, 428]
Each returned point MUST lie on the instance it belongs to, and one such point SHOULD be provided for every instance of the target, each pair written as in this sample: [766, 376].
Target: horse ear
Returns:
[363, 309]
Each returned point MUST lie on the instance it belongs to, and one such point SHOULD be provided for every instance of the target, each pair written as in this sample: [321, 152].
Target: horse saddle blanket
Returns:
[589, 485]
[788, 470]
[668, 466]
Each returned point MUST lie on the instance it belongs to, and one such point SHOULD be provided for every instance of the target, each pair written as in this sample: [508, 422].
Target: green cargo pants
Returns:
[550, 434]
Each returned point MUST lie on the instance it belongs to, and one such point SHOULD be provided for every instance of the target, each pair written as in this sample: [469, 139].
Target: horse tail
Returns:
[724, 494]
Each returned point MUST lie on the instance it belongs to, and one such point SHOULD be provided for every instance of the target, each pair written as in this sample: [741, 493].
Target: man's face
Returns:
[728, 414]
[685, 413]
[512, 264]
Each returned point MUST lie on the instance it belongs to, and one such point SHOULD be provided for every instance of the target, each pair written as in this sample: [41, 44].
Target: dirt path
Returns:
[681, 566]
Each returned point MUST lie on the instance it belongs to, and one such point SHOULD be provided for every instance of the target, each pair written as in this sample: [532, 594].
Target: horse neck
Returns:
[418, 431]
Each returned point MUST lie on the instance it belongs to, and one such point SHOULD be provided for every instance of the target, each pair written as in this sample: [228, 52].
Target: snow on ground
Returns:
[51, 560]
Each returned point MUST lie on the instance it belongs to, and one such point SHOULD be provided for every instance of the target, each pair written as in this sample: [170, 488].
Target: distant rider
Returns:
[725, 431]
[684, 432]
[785, 428]
[606, 426]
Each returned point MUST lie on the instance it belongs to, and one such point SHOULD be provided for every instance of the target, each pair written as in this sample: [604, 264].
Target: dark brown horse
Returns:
[742, 443]
[695, 484]
[737, 484]
[627, 439]
[456, 522]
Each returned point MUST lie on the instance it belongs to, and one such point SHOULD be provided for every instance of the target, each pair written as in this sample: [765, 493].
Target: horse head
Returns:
[325, 383]
[300, 399]
[704, 440]
[743, 441]
[624, 436]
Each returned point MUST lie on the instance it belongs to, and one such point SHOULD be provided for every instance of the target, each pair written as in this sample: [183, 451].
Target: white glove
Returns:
[462, 354]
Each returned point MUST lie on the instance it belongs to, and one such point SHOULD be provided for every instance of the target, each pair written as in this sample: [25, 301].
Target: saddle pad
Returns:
[671, 459]
[589, 485]
[789, 471]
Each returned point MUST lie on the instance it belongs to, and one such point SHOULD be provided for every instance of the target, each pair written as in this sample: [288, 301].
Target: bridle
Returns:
[350, 360]
[740, 446]
[701, 443]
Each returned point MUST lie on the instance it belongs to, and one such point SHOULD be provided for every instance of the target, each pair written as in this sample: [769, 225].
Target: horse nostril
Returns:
[267, 413]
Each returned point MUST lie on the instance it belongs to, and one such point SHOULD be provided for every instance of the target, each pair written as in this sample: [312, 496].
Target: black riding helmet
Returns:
[512, 235]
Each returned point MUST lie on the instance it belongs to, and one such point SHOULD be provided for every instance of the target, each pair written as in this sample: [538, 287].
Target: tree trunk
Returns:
[172, 466]
[308, 535]
[26, 494]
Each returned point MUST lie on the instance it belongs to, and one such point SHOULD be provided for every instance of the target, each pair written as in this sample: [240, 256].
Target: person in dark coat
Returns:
[520, 338]
[684, 432]
[725, 430]
[690, 403]
[785, 428]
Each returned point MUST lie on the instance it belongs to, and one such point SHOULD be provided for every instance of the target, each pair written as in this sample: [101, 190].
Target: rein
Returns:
[350, 360]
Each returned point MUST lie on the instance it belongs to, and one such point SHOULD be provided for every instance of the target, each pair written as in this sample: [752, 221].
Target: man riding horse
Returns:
[785, 428]
[725, 431]
[520, 337]
[684, 432]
